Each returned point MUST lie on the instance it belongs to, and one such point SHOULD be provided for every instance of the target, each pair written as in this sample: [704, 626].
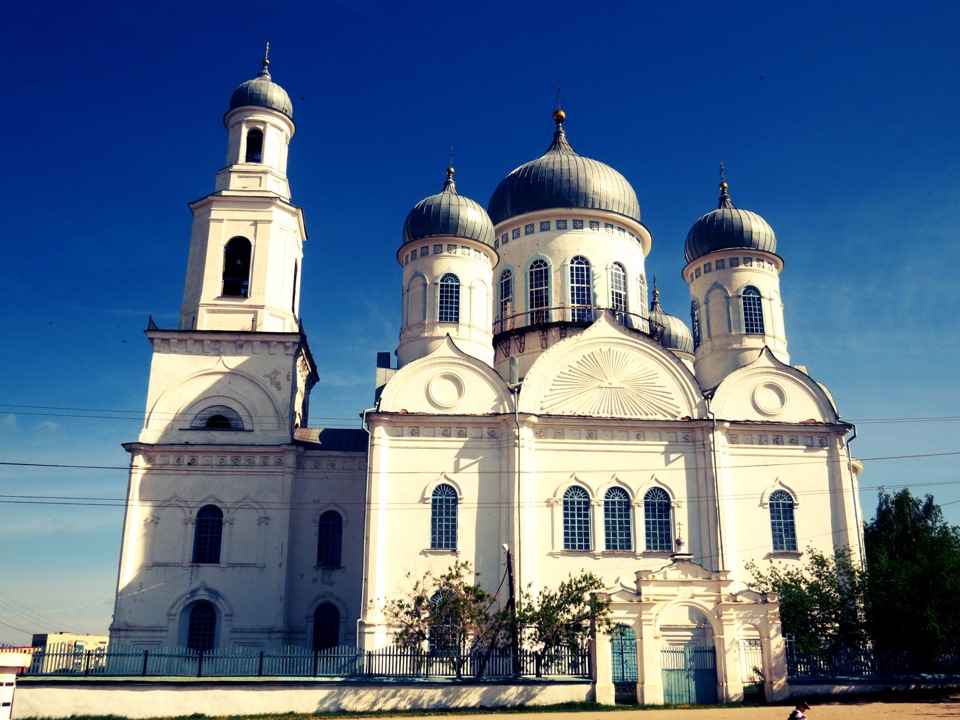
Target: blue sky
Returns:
[836, 121]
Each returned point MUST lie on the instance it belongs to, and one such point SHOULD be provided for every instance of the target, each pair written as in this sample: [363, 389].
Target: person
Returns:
[798, 713]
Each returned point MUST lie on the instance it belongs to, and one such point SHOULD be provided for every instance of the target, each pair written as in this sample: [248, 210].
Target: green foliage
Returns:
[821, 601]
[913, 587]
[449, 612]
[564, 616]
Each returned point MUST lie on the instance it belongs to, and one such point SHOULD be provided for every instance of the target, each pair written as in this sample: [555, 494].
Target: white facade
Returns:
[547, 418]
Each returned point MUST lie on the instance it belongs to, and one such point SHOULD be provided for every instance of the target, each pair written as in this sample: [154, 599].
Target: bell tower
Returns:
[246, 246]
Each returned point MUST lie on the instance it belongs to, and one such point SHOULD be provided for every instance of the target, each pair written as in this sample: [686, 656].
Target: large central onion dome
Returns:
[727, 228]
[262, 91]
[561, 178]
[449, 214]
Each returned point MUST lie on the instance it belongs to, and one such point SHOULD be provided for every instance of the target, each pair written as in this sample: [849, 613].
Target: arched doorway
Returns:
[326, 627]
[623, 645]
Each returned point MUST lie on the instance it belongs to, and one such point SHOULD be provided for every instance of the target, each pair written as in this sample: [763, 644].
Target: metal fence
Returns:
[343, 661]
[869, 662]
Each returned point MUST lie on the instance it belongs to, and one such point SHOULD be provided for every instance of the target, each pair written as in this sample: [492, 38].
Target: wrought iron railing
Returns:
[342, 662]
[575, 314]
[869, 662]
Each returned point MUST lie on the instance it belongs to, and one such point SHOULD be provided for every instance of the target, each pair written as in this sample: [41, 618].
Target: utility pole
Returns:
[512, 606]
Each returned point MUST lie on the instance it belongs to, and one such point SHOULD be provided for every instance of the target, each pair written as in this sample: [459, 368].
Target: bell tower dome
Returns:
[246, 246]
[734, 275]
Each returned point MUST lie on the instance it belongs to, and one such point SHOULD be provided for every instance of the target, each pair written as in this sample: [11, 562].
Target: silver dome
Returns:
[561, 178]
[262, 92]
[726, 228]
[448, 214]
[676, 335]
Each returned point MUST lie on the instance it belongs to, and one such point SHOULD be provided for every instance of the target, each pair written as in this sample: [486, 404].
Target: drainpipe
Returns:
[856, 500]
[716, 483]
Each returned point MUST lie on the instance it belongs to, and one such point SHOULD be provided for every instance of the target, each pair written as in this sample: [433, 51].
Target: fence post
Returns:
[86, 663]
[144, 674]
[200, 664]
[260, 665]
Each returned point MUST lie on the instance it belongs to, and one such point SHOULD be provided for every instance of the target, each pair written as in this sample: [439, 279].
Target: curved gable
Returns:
[608, 371]
[769, 390]
[446, 382]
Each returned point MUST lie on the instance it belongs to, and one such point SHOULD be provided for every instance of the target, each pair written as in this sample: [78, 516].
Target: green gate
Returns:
[623, 644]
[689, 675]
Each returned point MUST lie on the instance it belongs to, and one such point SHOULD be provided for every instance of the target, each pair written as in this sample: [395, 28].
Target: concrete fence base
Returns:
[165, 697]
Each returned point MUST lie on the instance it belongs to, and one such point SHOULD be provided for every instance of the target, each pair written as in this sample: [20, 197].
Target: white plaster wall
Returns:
[229, 697]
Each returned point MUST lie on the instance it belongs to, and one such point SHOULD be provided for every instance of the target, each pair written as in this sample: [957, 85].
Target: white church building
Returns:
[540, 403]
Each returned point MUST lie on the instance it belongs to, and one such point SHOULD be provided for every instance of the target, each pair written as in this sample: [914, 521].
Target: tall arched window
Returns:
[449, 299]
[329, 539]
[782, 523]
[618, 290]
[236, 268]
[695, 321]
[254, 146]
[443, 518]
[539, 300]
[752, 311]
[642, 300]
[576, 519]
[617, 528]
[207, 535]
[326, 627]
[581, 297]
[658, 530]
[202, 626]
[506, 297]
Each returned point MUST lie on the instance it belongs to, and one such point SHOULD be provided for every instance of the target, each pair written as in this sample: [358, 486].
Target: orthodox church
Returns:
[540, 407]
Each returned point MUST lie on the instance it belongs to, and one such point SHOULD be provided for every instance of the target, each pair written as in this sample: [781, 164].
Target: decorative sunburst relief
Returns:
[610, 382]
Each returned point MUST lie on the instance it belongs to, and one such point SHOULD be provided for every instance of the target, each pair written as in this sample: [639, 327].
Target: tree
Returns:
[913, 586]
[821, 602]
[563, 617]
[449, 615]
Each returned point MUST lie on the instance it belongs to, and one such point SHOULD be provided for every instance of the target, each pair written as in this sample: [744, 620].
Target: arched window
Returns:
[202, 626]
[695, 321]
[217, 417]
[658, 530]
[443, 518]
[442, 638]
[326, 627]
[329, 539]
[616, 520]
[642, 300]
[618, 290]
[207, 535]
[236, 268]
[752, 311]
[576, 519]
[449, 299]
[506, 297]
[254, 146]
[581, 297]
[781, 522]
[539, 300]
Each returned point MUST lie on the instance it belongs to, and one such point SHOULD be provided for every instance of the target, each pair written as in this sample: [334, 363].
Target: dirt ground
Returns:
[820, 710]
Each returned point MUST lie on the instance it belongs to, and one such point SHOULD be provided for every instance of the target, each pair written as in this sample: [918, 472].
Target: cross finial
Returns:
[266, 61]
[722, 178]
[451, 156]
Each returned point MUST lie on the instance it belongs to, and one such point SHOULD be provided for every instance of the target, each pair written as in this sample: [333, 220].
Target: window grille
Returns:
[782, 523]
[576, 519]
[618, 290]
[539, 292]
[752, 311]
[449, 310]
[616, 520]
[202, 627]
[506, 296]
[208, 534]
[329, 539]
[658, 529]
[695, 321]
[443, 518]
[581, 299]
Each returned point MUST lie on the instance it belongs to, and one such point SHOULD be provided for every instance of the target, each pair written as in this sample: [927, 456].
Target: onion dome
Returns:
[726, 228]
[449, 214]
[676, 334]
[561, 178]
[262, 91]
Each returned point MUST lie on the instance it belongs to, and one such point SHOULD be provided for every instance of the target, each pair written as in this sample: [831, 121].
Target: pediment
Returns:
[681, 570]
[609, 371]
[768, 390]
[446, 382]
